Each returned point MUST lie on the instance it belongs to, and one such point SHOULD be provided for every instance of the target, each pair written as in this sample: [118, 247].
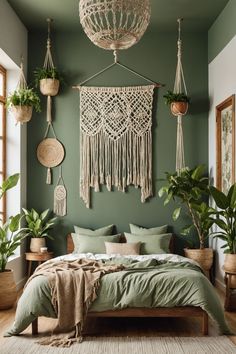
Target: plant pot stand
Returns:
[230, 294]
[37, 257]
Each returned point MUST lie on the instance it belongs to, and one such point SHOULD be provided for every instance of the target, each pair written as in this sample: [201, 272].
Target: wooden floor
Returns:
[130, 327]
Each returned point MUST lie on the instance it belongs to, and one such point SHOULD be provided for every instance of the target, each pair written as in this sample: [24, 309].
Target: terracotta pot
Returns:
[49, 87]
[36, 243]
[204, 257]
[22, 114]
[179, 108]
[8, 294]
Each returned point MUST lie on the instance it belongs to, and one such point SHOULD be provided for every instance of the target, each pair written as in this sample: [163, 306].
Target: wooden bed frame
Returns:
[183, 311]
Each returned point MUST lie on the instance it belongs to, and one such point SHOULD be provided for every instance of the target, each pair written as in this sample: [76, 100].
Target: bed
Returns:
[207, 303]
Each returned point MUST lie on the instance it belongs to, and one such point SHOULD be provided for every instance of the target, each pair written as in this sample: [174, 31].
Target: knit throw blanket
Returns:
[73, 288]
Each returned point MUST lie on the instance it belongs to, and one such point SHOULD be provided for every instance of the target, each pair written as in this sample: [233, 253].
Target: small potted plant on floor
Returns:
[225, 219]
[11, 236]
[178, 102]
[37, 227]
[21, 103]
[48, 80]
[190, 190]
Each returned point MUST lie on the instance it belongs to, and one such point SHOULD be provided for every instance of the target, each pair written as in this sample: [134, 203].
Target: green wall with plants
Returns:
[155, 57]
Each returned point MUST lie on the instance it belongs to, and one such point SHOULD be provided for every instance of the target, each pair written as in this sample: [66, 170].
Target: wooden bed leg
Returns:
[205, 324]
[35, 327]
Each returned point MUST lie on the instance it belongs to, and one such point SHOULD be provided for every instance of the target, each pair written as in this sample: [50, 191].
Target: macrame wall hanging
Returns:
[116, 139]
[180, 110]
[60, 195]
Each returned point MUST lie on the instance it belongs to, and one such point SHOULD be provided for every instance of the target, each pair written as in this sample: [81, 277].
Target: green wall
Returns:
[222, 30]
[155, 57]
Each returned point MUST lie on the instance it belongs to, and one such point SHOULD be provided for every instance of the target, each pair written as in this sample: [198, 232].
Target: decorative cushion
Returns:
[153, 244]
[92, 244]
[122, 248]
[103, 231]
[138, 230]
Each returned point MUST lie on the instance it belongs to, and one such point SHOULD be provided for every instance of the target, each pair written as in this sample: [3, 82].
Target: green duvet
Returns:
[150, 283]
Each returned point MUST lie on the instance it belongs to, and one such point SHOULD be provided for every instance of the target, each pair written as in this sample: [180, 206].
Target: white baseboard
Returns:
[20, 284]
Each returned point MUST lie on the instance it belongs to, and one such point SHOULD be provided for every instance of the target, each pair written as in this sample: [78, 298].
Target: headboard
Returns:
[70, 244]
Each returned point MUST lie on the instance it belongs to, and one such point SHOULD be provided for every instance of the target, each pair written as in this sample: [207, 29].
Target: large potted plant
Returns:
[37, 227]
[225, 219]
[48, 80]
[11, 236]
[178, 102]
[21, 103]
[190, 190]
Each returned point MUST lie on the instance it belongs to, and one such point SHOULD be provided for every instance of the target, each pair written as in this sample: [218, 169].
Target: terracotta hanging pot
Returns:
[204, 257]
[36, 243]
[8, 294]
[22, 114]
[179, 108]
[49, 87]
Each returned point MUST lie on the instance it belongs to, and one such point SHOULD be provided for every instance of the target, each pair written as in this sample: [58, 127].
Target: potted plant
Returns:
[48, 80]
[178, 102]
[38, 226]
[190, 190]
[226, 221]
[11, 236]
[21, 103]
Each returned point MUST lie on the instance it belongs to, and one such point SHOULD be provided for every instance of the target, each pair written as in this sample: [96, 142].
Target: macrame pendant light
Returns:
[179, 86]
[114, 24]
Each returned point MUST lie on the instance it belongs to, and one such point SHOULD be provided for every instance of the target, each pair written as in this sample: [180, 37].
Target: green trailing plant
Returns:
[24, 97]
[171, 97]
[38, 225]
[11, 234]
[190, 190]
[46, 73]
[226, 217]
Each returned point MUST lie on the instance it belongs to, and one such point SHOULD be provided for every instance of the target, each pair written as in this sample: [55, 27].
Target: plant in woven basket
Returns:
[190, 190]
[46, 73]
[24, 97]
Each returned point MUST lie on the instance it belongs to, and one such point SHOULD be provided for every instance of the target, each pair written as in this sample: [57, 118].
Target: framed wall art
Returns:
[225, 144]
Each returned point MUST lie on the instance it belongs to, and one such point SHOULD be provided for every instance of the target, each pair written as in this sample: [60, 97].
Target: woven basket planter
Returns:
[179, 108]
[8, 294]
[230, 266]
[22, 114]
[49, 87]
[36, 243]
[204, 257]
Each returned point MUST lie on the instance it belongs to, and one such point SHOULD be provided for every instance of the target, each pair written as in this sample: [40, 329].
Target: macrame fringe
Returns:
[49, 176]
[180, 160]
[119, 163]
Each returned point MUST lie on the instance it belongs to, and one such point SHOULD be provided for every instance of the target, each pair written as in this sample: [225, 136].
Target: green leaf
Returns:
[232, 196]
[44, 214]
[10, 182]
[14, 223]
[162, 191]
[186, 230]
[35, 215]
[220, 198]
[198, 172]
[176, 213]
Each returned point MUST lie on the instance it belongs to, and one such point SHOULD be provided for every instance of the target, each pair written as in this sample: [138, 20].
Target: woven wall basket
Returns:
[50, 152]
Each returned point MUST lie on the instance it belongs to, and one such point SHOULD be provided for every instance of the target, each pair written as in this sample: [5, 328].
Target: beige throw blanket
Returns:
[73, 288]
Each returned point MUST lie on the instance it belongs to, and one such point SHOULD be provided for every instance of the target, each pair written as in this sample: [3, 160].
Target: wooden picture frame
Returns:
[225, 144]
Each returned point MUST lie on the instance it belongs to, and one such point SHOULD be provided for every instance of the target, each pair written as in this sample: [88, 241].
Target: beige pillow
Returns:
[122, 248]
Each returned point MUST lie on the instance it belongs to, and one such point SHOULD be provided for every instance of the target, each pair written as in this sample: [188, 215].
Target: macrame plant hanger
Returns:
[178, 88]
[117, 63]
[60, 196]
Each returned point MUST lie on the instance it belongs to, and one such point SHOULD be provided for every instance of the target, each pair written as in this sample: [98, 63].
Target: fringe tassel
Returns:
[49, 176]
[49, 109]
[119, 163]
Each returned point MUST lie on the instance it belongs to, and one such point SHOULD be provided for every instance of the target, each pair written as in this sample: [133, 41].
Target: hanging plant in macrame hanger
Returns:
[179, 101]
[48, 77]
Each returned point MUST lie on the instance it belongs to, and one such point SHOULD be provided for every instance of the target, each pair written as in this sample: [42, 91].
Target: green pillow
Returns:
[103, 231]
[96, 244]
[153, 244]
[138, 230]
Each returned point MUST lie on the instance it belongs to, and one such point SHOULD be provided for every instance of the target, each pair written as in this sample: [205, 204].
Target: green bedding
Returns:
[148, 283]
